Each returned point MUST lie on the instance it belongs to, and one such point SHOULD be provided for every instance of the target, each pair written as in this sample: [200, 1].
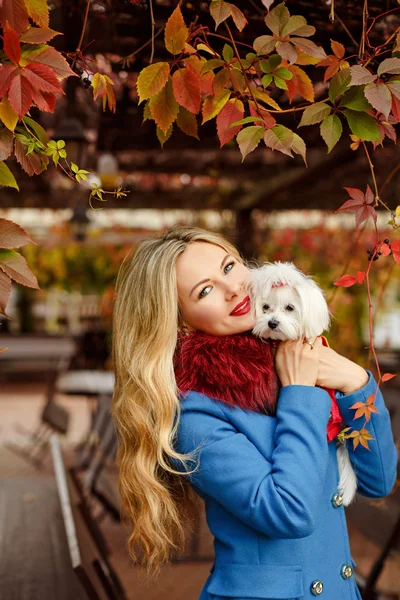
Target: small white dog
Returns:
[289, 305]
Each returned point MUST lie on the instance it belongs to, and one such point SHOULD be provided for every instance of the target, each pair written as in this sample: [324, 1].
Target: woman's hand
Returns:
[297, 363]
[339, 373]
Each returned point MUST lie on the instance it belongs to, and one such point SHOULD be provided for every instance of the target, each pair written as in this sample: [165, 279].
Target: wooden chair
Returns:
[87, 557]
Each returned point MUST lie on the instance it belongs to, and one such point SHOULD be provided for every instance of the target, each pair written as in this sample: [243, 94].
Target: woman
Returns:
[265, 470]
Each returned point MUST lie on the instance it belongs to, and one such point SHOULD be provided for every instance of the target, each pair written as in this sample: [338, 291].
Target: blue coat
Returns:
[270, 491]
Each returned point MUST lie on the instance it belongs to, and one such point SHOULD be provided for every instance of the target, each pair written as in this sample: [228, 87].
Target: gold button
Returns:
[317, 587]
[347, 571]
[337, 500]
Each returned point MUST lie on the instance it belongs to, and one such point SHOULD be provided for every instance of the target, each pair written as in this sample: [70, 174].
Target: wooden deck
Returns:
[22, 403]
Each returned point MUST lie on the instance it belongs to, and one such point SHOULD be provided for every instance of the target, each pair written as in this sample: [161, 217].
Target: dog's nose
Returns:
[272, 324]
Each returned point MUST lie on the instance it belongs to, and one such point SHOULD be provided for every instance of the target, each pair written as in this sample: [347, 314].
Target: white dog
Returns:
[289, 305]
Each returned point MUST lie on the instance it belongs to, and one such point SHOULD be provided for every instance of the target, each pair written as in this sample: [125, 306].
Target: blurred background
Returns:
[56, 374]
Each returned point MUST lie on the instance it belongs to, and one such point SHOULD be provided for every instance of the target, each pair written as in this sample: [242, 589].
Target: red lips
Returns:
[242, 308]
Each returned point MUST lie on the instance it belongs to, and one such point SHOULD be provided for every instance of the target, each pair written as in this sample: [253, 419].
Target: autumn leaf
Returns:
[277, 18]
[12, 235]
[31, 163]
[38, 11]
[14, 11]
[49, 56]
[299, 84]
[187, 88]
[15, 266]
[12, 46]
[238, 17]
[360, 276]
[44, 101]
[395, 246]
[151, 80]
[334, 61]
[279, 138]
[379, 96]
[176, 32]
[360, 204]
[248, 139]
[5, 289]
[232, 111]
[187, 122]
[42, 78]
[360, 437]
[164, 107]
[365, 409]
[315, 114]
[7, 179]
[220, 11]
[20, 94]
[339, 84]
[213, 105]
[388, 376]
[6, 143]
[390, 66]
[163, 137]
[360, 75]
[385, 249]
[7, 114]
[38, 35]
[345, 281]
[7, 73]
[264, 44]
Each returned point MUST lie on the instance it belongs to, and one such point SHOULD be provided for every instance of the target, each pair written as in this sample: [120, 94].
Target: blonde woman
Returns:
[197, 407]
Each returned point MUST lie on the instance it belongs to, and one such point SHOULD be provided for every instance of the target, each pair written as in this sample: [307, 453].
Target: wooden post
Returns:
[245, 239]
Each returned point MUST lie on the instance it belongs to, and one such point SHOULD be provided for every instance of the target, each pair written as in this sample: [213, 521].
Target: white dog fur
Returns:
[288, 305]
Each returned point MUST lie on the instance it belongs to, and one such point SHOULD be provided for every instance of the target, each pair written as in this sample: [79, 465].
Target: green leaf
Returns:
[279, 138]
[63, 154]
[299, 146]
[212, 64]
[280, 83]
[247, 120]
[249, 138]
[6, 177]
[362, 125]
[264, 44]
[250, 56]
[227, 53]
[277, 18]
[31, 148]
[315, 113]
[74, 168]
[284, 73]
[37, 129]
[331, 131]
[339, 83]
[266, 80]
[355, 99]
[60, 144]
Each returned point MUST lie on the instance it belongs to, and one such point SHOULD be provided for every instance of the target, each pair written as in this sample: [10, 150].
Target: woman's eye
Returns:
[229, 265]
[202, 293]
[289, 307]
[265, 307]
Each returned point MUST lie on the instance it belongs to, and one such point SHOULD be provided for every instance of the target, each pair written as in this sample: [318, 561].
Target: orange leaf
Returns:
[38, 11]
[99, 85]
[385, 249]
[187, 122]
[388, 376]
[164, 107]
[50, 57]
[44, 101]
[346, 281]
[176, 32]
[360, 276]
[12, 46]
[12, 235]
[14, 11]
[299, 84]
[337, 49]
[187, 89]
[5, 289]
[42, 78]
[237, 16]
[395, 246]
[232, 111]
[38, 35]
[15, 266]
[20, 95]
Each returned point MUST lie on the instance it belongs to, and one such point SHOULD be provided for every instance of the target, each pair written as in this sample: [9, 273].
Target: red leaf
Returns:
[42, 78]
[269, 120]
[55, 60]
[38, 35]
[356, 194]
[187, 89]
[5, 289]
[14, 11]
[396, 108]
[396, 250]
[360, 276]
[385, 249]
[12, 46]
[44, 101]
[31, 163]
[12, 235]
[369, 196]
[7, 72]
[346, 281]
[20, 95]
[232, 111]
[6, 143]
[349, 206]
[388, 376]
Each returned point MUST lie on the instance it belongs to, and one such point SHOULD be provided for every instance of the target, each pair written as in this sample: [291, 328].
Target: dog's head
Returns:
[286, 304]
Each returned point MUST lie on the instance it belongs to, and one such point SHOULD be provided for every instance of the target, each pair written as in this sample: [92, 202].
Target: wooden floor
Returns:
[21, 404]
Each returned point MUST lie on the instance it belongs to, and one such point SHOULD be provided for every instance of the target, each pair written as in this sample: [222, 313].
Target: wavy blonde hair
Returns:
[156, 499]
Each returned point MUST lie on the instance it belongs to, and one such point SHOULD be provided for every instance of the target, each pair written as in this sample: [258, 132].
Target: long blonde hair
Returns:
[155, 498]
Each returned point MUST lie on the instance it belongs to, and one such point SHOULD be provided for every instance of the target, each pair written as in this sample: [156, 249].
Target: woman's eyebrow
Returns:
[205, 280]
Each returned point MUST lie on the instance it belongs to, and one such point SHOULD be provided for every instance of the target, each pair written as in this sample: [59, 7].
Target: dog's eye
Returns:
[289, 307]
[265, 307]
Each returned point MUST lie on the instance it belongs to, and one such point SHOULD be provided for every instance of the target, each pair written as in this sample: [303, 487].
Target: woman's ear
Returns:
[314, 309]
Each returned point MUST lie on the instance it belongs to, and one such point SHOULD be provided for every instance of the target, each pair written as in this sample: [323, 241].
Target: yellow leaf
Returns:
[99, 85]
[152, 79]
[398, 211]
[164, 107]
[264, 97]
[306, 59]
[214, 104]
[300, 83]
[207, 49]
[38, 11]
[7, 114]
[176, 32]
[163, 137]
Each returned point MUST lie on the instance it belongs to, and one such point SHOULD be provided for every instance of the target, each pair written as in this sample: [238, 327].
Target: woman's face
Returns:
[210, 287]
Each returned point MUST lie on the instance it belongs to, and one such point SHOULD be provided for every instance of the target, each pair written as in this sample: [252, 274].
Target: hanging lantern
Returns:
[107, 170]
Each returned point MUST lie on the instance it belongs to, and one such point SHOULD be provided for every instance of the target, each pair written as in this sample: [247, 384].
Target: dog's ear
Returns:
[314, 309]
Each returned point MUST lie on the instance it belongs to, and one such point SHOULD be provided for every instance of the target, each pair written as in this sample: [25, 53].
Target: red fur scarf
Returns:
[236, 369]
